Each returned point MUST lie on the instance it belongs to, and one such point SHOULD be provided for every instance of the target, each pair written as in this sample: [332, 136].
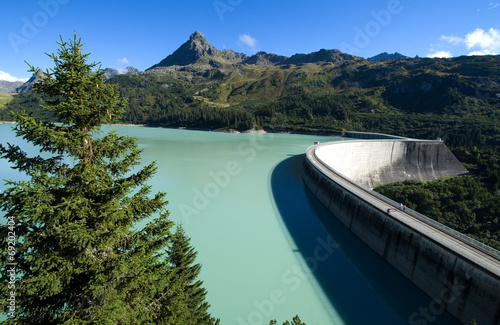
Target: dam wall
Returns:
[459, 275]
[376, 162]
[368, 135]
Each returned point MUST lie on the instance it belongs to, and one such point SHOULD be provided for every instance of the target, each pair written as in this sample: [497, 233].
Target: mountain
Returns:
[198, 86]
[265, 59]
[28, 85]
[386, 56]
[333, 56]
[197, 51]
[7, 87]
[110, 73]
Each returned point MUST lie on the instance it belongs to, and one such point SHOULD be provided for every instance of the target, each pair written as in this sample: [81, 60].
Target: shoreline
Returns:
[252, 131]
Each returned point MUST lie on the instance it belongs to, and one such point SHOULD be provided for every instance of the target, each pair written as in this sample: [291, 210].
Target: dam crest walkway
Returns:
[343, 168]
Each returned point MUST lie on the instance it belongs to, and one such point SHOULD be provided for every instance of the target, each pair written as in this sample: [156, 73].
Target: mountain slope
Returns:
[28, 85]
[110, 73]
[9, 87]
[197, 49]
[457, 99]
[386, 56]
[333, 56]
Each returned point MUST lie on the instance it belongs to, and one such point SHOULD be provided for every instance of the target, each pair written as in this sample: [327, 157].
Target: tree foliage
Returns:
[469, 204]
[186, 291]
[454, 99]
[80, 258]
[295, 321]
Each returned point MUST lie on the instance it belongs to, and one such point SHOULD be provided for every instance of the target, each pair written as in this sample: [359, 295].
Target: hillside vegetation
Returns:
[469, 204]
[455, 99]
[4, 99]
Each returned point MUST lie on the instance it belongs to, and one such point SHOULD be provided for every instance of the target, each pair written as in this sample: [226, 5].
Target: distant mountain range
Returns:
[199, 54]
[386, 56]
[9, 87]
[199, 86]
[19, 86]
[110, 73]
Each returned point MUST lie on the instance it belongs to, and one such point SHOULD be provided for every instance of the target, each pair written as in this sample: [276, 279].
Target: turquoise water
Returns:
[268, 248]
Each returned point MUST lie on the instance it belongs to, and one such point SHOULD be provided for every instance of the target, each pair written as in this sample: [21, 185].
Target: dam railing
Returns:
[435, 224]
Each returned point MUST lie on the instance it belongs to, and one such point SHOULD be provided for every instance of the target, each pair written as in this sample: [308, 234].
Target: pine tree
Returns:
[80, 259]
[186, 290]
[295, 321]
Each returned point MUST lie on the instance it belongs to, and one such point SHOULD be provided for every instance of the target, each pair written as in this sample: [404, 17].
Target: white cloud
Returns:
[121, 71]
[453, 40]
[485, 42]
[249, 41]
[485, 52]
[477, 42]
[493, 5]
[7, 77]
[124, 61]
[440, 54]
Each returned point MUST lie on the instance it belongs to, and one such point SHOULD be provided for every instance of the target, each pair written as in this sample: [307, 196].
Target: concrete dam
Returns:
[459, 274]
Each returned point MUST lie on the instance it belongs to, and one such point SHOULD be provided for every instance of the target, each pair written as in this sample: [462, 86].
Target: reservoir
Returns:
[268, 248]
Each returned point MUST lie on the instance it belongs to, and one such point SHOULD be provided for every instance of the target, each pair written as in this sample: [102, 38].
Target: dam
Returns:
[460, 275]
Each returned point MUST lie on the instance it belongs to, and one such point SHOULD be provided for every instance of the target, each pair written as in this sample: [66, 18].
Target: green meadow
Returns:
[4, 99]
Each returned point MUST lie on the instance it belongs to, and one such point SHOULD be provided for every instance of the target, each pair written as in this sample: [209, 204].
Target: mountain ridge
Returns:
[386, 56]
[199, 55]
[9, 87]
[110, 73]
[28, 85]
[197, 51]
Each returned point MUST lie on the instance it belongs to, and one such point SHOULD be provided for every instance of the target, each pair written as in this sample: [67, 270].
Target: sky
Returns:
[126, 33]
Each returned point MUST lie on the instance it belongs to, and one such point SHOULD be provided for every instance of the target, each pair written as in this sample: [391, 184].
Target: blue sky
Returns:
[141, 33]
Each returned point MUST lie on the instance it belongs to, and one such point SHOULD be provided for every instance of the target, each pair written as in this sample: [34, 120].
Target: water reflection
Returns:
[363, 288]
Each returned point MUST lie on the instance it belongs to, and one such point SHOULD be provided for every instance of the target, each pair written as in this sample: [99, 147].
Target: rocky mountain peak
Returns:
[198, 44]
[386, 56]
[198, 51]
[28, 85]
[196, 48]
[197, 36]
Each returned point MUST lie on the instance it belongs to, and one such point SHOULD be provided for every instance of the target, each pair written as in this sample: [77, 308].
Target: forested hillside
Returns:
[456, 99]
[469, 204]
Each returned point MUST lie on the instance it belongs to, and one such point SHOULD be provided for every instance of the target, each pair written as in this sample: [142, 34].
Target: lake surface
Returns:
[268, 248]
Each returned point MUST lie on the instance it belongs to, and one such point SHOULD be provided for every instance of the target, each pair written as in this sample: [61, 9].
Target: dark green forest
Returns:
[469, 204]
[457, 100]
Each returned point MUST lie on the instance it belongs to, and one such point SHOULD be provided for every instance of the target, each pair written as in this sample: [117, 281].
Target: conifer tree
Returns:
[295, 321]
[186, 290]
[79, 258]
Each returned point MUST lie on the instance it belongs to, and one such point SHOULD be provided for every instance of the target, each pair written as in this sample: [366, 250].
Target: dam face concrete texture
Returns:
[375, 162]
[459, 279]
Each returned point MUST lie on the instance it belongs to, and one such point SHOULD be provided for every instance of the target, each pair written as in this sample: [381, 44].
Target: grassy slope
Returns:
[418, 97]
[4, 99]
